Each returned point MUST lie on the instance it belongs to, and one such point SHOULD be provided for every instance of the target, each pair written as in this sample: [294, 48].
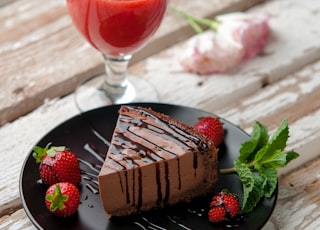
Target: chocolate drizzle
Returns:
[134, 144]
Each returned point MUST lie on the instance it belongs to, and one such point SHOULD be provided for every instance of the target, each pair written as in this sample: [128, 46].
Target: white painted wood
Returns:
[43, 56]
[286, 52]
[292, 91]
[298, 200]
[18, 138]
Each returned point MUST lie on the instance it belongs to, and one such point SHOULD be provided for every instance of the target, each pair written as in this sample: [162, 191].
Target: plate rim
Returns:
[149, 104]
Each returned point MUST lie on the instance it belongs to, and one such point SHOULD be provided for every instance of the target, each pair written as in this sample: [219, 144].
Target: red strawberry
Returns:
[228, 202]
[57, 164]
[62, 199]
[212, 128]
[217, 214]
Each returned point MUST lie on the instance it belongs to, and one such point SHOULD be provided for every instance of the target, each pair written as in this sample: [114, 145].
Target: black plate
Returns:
[87, 135]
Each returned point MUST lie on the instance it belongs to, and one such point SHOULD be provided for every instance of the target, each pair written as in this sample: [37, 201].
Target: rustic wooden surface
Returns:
[36, 60]
[47, 58]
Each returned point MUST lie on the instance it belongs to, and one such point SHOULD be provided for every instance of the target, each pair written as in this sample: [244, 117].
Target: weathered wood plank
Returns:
[17, 139]
[286, 52]
[262, 106]
[6, 2]
[42, 55]
[253, 92]
[295, 98]
[17, 220]
[298, 200]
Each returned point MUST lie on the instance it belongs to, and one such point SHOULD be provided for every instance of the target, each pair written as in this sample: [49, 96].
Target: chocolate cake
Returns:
[154, 161]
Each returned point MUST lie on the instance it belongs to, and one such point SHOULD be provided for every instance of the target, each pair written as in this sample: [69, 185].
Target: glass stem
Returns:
[115, 83]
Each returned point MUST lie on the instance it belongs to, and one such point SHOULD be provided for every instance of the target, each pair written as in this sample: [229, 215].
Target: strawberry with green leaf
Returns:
[62, 199]
[57, 164]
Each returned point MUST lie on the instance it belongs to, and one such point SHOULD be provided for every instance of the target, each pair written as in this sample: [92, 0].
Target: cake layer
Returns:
[154, 161]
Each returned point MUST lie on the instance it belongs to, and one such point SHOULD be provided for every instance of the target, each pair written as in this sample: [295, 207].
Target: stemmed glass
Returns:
[117, 28]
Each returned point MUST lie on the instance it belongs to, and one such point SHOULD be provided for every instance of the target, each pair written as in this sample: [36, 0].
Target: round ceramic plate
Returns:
[88, 136]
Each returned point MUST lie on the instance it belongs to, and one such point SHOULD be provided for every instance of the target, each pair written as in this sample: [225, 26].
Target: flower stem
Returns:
[195, 22]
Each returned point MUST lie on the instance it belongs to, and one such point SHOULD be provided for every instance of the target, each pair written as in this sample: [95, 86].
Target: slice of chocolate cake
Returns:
[154, 161]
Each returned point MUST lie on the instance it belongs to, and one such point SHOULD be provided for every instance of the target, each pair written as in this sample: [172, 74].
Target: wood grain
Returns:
[283, 82]
[47, 58]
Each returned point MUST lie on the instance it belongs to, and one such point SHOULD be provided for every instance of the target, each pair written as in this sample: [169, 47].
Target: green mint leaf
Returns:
[276, 159]
[255, 194]
[247, 179]
[258, 161]
[259, 137]
[279, 139]
[277, 142]
[271, 177]
[291, 155]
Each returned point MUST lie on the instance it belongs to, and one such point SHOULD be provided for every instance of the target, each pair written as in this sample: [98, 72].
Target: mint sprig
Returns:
[258, 161]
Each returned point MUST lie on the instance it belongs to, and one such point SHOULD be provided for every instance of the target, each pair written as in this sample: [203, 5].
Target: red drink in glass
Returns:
[117, 27]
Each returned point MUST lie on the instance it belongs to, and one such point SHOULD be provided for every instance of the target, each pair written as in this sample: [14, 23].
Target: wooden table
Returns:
[43, 59]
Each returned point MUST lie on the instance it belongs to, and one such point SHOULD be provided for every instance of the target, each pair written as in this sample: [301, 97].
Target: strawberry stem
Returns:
[57, 199]
[39, 153]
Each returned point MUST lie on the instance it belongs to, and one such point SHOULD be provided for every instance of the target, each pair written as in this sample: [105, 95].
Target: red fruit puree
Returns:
[117, 26]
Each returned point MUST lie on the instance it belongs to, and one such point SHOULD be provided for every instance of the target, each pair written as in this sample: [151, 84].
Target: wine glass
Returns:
[116, 28]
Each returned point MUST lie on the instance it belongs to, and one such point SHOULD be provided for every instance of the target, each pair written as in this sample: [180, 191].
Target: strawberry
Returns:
[62, 199]
[57, 164]
[217, 214]
[225, 201]
[212, 128]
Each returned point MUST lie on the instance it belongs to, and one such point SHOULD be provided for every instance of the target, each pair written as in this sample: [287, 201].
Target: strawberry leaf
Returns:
[57, 199]
[39, 153]
[52, 151]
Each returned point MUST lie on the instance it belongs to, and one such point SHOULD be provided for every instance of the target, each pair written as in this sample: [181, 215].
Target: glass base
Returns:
[91, 95]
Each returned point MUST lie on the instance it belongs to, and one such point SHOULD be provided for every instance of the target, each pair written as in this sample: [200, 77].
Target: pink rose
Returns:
[239, 37]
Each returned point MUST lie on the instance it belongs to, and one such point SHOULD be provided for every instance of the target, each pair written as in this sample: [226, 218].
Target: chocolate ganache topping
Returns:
[137, 138]
[143, 138]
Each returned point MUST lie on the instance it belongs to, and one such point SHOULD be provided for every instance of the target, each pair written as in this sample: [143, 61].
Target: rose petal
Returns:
[240, 36]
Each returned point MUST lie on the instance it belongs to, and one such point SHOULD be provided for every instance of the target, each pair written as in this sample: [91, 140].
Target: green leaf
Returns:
[271, 177]
[52, 151]
[258, 161]
[277, 142]
[39, 153]
[291, 155]
[247, 179]
[277, 159]
[57, 199]
[259, 137]
[279, 139]
[255, 194]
